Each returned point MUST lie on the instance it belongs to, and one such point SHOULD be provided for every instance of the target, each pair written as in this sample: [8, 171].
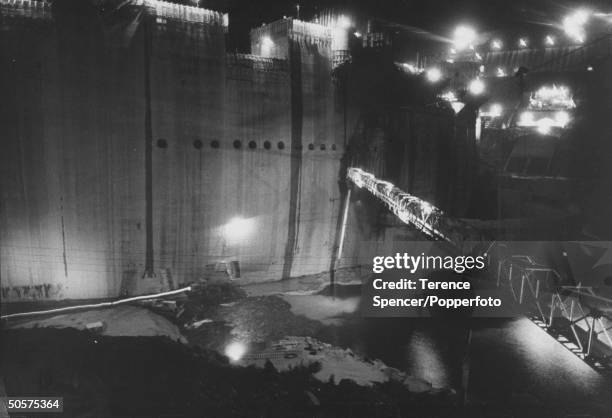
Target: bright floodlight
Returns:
[411, 68]
[549, 40]
[344, 22]
[235, 351]
[544, 125]
[523, 42]
[433, 75]
[500, 72]
[238, 229]
[562, 118]
[449, 96]
[476, 87]
[573, 25]
[357, 34]
[464, 37]
[496, 44]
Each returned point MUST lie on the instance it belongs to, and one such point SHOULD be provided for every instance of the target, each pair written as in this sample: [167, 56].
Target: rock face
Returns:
[120, 321]
[335, 363]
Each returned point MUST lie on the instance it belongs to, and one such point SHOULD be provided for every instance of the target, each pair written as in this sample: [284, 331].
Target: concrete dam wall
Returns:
[139, 155]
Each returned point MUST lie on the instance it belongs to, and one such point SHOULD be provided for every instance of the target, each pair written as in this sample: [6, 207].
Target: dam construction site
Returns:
[339, 208]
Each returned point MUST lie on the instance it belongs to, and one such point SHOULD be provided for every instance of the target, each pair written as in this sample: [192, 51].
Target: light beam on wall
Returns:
[267, 44]
[238, 229]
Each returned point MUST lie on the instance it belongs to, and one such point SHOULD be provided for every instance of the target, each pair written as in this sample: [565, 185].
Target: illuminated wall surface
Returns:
[74, 128]
[138, 155]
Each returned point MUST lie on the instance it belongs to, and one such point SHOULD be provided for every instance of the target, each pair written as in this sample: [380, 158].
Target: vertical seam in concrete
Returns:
[63, 238]
[148, 152]
[295, 63]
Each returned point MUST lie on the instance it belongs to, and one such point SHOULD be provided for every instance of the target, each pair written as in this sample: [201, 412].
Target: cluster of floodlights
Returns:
[339, 26]
[475, 87]
[549, 107]
[465, 38]
[573, 26]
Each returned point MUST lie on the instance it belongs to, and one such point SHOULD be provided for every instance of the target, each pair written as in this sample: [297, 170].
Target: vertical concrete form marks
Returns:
[64, 240]
[297, 117]
[148, 150]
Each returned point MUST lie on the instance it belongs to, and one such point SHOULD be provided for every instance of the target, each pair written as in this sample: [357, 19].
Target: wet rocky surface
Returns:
[101, 376]
[105, 375]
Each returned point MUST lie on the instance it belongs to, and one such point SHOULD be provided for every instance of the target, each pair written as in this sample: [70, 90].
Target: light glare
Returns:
[526, 119]
[235, 351]
[266, 45]
[562, 118]
[433, 75]
[344, 22]
[238, 229]
[464, 37]
[573, 25]
[449, 96]
[476, 87]
[552, 96]
[544, 125]
[549, 40]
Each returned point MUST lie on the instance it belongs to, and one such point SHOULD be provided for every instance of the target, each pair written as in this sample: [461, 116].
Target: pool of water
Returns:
[489, 361]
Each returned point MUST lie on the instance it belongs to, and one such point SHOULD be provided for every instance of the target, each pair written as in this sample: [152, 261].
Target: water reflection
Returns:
[510, 361]
[425, 360]
[528, 364]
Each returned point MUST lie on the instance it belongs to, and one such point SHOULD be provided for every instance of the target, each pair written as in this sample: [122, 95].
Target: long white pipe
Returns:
[97, 305]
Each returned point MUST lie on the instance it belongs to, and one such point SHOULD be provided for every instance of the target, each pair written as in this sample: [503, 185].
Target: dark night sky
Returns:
[436, 16]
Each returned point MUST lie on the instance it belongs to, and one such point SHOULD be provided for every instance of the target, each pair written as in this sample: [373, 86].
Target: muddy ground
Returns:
[101, 376]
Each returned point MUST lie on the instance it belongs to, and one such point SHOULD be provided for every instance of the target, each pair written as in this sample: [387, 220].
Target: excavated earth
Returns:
[117, 371]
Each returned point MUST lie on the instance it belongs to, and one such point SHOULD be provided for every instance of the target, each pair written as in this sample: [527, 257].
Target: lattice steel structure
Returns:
[416, 212]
